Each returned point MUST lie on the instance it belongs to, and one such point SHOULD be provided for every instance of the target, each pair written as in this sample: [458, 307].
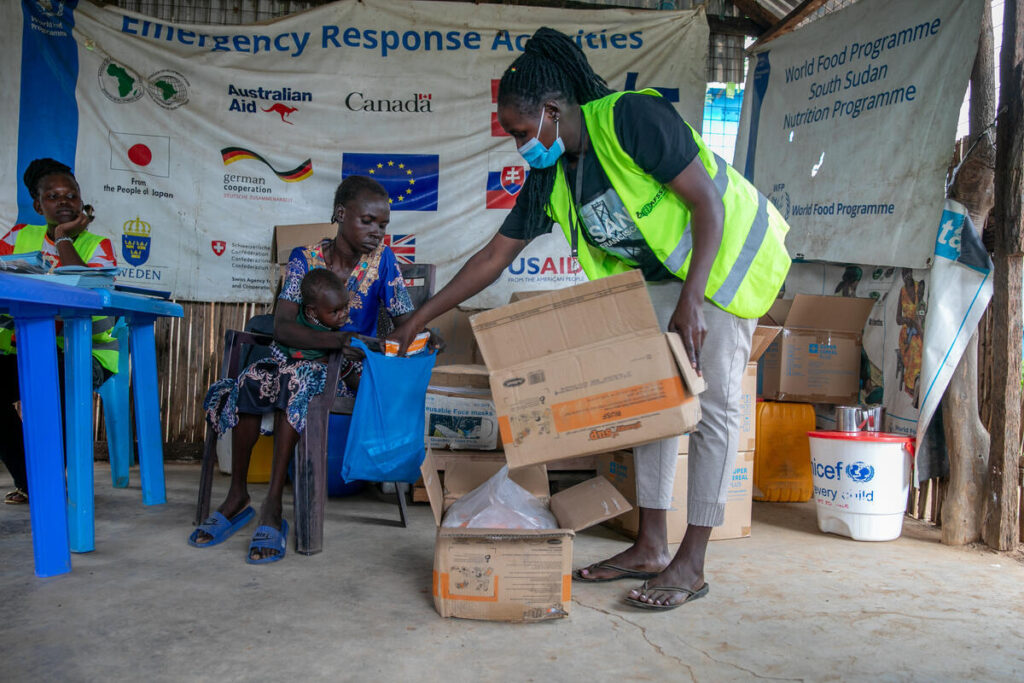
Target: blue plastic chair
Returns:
[117, 412]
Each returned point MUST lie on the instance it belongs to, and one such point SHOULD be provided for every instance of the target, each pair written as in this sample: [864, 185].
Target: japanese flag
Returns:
[149, 154]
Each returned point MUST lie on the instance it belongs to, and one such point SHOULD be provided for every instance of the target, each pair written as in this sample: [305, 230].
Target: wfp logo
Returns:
[135, 241]
[860, 472]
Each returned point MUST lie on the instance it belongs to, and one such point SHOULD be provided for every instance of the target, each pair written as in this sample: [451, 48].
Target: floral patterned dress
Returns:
[288, 384]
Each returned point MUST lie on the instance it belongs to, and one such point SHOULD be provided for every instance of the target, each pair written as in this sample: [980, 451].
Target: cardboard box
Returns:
[445, 459]
[519, 296]
[459, 409]
[763, 337]
[619, 468]
[287, 237]
[509, 574]
[460, 343]
[585, 369]
[817, 358]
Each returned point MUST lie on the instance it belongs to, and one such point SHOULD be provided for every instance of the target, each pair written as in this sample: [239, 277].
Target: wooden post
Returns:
[1001, 529]
[967, 441]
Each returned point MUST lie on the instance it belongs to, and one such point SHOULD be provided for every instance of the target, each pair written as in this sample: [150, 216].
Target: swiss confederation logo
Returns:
[218, 246]
[860, 472]
[135, 241]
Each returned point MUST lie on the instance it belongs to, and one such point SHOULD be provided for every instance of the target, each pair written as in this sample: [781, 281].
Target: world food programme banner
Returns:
[848, 125]
[193, 141]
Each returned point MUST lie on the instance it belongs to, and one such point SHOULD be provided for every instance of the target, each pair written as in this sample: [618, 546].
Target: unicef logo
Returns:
[860, 472]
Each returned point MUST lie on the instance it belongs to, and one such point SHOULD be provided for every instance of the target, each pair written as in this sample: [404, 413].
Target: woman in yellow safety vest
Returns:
[63, 241]
[634, 187]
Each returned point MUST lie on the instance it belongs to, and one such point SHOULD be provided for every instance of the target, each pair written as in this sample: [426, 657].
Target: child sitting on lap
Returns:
[282, 384]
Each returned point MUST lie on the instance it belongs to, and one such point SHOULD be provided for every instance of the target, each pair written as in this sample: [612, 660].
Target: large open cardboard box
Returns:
[510, 574]
[585, 369]
[817, 358]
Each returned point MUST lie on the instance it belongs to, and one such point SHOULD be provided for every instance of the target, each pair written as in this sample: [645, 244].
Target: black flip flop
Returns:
[690, 596]
[624, 573]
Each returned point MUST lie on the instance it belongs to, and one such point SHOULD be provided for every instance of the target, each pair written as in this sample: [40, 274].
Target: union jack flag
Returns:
[404, 247]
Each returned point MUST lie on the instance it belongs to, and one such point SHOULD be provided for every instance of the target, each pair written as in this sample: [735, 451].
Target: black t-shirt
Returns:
[651, 132]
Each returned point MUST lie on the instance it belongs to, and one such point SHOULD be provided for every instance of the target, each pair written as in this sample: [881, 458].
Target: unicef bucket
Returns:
[861, 482]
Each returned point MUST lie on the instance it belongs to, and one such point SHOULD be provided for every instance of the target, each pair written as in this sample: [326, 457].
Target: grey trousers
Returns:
[713, 446]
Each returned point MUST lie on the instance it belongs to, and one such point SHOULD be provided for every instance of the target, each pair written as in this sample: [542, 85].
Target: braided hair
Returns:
[551, 66]
[356, 186]
[39, 169]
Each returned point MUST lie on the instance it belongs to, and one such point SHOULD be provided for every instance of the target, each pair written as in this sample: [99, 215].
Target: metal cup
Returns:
[847, 418]
[859, 418]
[873, 418]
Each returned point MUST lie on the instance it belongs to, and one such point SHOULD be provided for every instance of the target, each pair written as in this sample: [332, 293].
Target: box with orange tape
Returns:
[510, 574]
[585, 370]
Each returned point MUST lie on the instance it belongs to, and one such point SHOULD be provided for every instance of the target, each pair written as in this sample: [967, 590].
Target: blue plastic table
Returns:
[34, 305]
[140, 312]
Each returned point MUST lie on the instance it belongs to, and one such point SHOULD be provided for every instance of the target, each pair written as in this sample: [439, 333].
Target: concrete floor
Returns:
[788, 603]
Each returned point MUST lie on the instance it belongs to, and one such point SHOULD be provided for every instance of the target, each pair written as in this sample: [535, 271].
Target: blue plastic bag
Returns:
[385, 439]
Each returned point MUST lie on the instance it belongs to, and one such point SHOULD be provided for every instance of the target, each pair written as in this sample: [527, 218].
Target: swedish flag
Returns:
[410, 179]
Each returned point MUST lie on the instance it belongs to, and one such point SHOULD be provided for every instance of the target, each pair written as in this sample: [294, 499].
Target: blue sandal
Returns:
[220, 527]
[267, 537]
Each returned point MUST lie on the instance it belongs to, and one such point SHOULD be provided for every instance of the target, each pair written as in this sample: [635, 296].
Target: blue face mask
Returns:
[539, 156]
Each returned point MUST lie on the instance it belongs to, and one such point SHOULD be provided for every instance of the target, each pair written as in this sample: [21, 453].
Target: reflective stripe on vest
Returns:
[751, 263]
[678, 256]
[104, 345]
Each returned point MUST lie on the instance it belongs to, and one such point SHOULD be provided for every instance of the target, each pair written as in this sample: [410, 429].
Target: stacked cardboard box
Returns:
[818, 356]
[459, 409]
[619, 467]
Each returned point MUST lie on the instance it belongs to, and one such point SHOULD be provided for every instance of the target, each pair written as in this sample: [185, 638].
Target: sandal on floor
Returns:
[624, 573]
[270, 538]
[220, 527]
[690, 595]
[16, 497]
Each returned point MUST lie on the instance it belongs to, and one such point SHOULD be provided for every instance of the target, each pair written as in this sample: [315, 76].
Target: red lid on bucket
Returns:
[882, 437]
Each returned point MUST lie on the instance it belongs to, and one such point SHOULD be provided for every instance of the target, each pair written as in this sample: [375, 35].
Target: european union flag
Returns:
[410, 179]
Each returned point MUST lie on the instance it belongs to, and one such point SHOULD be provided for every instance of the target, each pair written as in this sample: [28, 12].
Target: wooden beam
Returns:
[967, 441]
[756, 13]
[734, 26]
[789, 22]
[1001, 530]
